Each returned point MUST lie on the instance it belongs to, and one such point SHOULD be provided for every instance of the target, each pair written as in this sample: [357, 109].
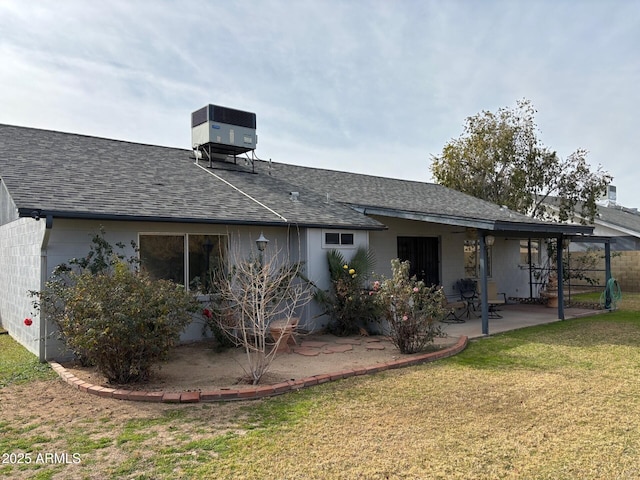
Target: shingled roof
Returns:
[78, 176]
[418, 201]
[626, 220]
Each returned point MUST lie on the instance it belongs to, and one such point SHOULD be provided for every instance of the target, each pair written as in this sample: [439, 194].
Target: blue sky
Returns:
[374, 87]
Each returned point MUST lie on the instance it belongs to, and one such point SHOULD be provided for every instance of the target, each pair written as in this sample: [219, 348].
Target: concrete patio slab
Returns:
[515, 316]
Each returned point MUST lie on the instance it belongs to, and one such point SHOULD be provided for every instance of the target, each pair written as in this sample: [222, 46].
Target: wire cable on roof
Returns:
[242, 192]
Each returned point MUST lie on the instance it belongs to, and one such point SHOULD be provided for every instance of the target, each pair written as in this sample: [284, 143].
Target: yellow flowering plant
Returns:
[347, 302]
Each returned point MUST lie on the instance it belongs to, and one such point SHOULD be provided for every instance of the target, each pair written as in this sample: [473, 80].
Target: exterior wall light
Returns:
[261, 242]
[490, 240]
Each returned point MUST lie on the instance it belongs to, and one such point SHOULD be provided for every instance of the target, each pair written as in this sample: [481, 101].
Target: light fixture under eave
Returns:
[471, 233]
[261, 242]
[490, 240]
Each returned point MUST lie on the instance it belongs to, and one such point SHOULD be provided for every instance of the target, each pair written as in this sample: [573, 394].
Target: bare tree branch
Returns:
[256, 291]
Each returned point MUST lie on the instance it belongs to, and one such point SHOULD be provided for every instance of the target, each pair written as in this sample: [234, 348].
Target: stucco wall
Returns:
[385, 245]
[509, 276]
[20, 260]
[71, 238]
[21, 264]
[318, 268]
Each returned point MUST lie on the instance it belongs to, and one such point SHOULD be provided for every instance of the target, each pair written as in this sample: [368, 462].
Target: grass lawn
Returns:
[17, 365]
[555, 401]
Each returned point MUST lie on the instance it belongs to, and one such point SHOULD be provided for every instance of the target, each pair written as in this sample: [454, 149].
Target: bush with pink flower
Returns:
[411, 308]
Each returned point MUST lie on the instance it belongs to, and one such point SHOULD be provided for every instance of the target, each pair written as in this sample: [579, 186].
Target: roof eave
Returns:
[624, 229]
[423, 217]
[543, 228]
[480, 224]
[41, 213]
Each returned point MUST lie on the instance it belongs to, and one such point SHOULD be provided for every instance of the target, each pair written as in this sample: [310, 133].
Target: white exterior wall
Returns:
[385, 246]
[318, 267]
[26, 269]
[509, 275]
[20, 260]
[71, 239]
[21, 263]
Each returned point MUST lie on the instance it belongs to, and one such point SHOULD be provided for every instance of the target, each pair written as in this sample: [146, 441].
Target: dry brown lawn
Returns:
[558, 401]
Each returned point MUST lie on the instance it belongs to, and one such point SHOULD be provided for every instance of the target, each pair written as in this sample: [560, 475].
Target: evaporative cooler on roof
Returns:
[223, 131]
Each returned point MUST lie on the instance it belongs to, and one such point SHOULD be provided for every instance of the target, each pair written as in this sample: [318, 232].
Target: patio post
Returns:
[607, 261]
[483, 284]
[559, 249]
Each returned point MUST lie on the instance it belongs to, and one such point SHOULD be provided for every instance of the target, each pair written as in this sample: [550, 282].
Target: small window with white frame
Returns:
[336, 238]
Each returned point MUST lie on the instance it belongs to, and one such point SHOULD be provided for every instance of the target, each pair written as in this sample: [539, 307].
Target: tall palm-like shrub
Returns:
[347, 302]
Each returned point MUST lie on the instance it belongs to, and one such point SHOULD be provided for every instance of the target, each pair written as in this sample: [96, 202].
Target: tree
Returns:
[256, 291]
[500, 158]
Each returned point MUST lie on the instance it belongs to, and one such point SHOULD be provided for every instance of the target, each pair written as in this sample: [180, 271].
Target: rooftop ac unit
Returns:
[223, 130]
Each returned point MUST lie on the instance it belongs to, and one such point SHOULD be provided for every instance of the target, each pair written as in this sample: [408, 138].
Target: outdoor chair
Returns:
[494, 299]
[455, 310]
[467, 288]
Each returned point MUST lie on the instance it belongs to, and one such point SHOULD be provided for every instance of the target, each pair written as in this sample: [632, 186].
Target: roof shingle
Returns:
[81, 176]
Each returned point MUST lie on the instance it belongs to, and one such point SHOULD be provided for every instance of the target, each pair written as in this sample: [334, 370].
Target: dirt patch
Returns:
[199, 367]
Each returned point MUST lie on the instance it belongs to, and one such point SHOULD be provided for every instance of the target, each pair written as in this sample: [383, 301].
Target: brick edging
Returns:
[258, 391]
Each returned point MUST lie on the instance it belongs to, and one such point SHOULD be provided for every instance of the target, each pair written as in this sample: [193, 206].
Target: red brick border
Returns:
[259, 391]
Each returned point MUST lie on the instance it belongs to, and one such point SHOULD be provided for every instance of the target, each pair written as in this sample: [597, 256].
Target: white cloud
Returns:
[372, 85]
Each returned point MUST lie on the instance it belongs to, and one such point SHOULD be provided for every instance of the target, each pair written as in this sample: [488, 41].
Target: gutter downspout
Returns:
[44, 333]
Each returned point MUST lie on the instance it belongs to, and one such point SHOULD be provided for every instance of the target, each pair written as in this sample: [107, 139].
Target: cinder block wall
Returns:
[625, 268]
[20, 244]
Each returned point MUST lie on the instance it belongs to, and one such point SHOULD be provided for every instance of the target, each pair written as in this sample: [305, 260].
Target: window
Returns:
[472, 259]
[176, 257]
[339, 239]
[162, 257]
[206, 257]
[332, 238]
[524, 252]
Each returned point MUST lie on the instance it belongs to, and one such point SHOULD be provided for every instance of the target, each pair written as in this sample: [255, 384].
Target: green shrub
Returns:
[411, 308]
[113, 317]
[348, 302]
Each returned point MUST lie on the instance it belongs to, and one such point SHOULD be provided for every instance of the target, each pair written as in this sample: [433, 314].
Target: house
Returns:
[620, 227]
[57, 189]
